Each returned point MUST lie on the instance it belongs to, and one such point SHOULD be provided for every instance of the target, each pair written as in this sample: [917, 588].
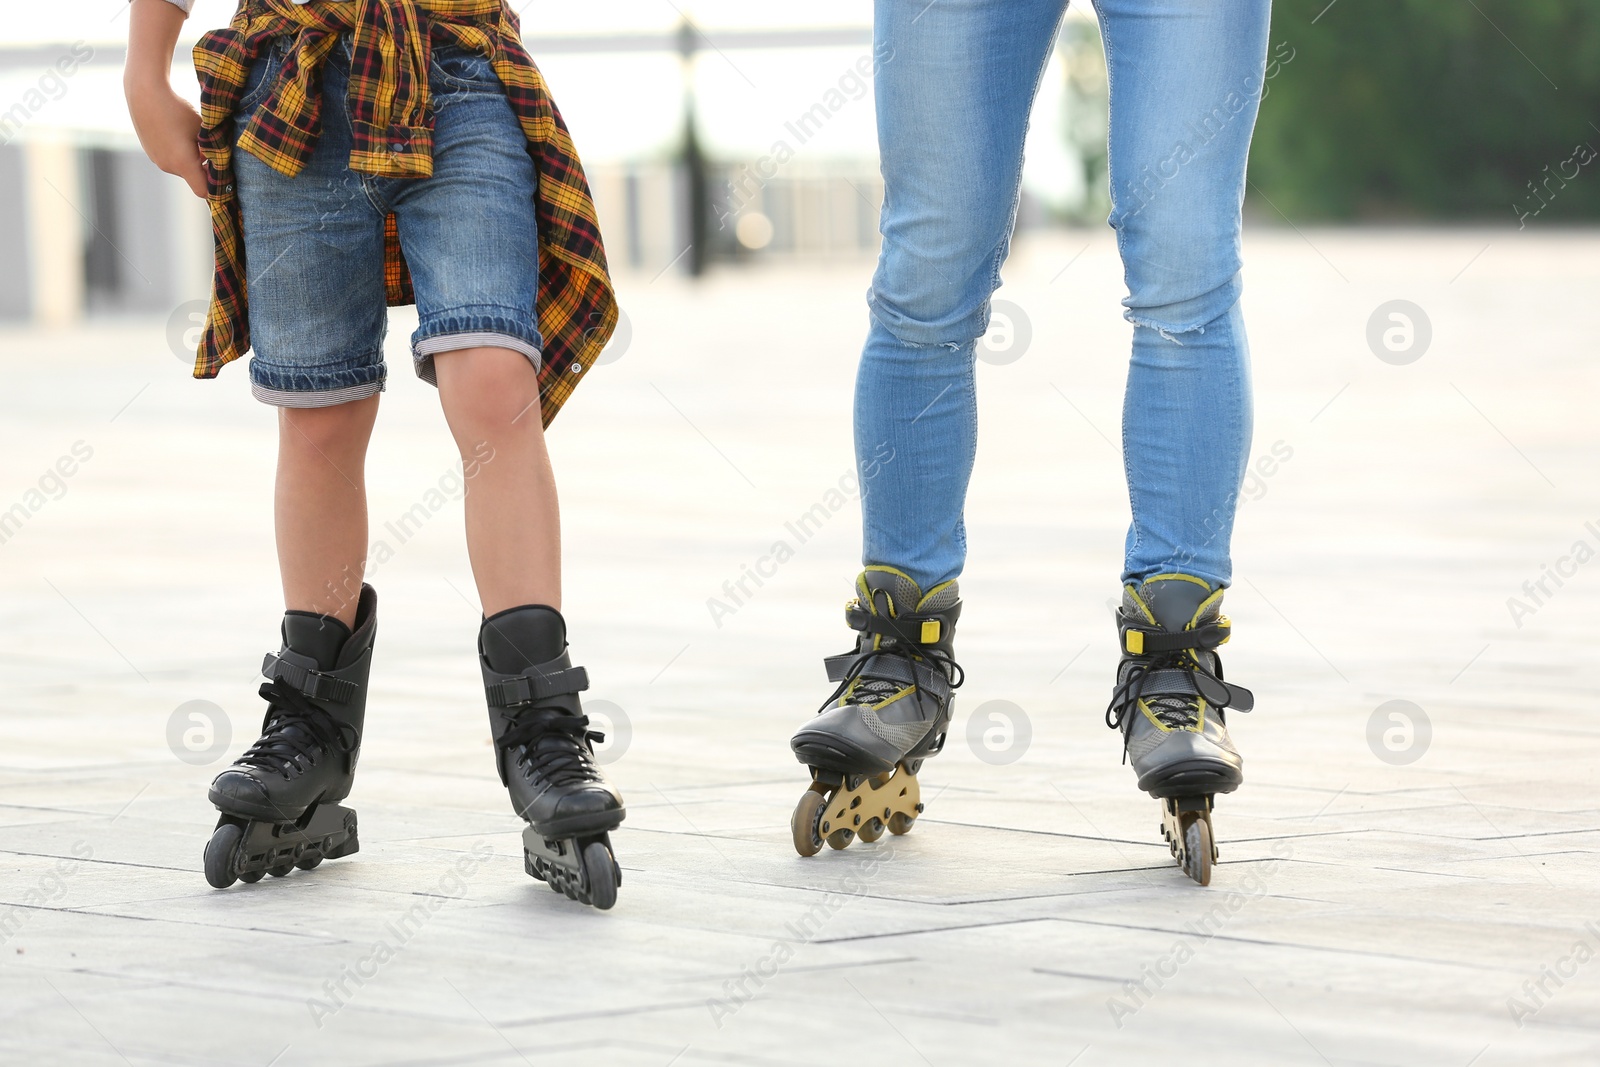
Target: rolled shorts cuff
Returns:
[474, 328]
[316, 387]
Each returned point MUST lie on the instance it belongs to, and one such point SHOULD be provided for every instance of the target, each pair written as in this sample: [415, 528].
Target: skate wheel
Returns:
[1198, 851]
[251, 877]
[306, 863]
[871, 831]
[600, 868]
[804, 823]
[841, 838]
[221, 853]
[901, 823]
[280, 870]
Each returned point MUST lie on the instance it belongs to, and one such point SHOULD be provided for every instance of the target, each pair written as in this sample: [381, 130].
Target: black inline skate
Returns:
[544, 751]
[279, 801]
[1169, 703]
[891, 711]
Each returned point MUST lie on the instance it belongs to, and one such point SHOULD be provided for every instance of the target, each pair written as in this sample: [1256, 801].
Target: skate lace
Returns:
[1170, 709]
[555, 746]
[1173, 710]
[870, 692]
[295, 734]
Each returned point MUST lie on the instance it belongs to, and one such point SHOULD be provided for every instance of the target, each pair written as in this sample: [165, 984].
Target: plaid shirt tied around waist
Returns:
[388, 100]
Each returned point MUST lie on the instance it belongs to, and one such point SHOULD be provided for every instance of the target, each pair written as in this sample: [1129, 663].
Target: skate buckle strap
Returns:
[301, 674]
[514, 690]
[921, 629]
[1151, 641]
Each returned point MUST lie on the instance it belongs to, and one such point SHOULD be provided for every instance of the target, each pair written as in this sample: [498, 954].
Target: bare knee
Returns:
[340, 429]
[489, 394]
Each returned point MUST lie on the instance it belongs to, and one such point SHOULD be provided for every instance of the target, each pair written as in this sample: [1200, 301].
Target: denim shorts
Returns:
[314, 243]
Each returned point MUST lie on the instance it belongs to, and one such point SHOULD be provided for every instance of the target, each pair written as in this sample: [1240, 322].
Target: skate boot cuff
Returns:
[296, 665]
[318, 637]
[518, 639]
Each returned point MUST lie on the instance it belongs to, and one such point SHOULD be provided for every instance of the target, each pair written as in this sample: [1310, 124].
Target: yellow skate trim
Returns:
[923, 598]
[932, 629]
[845, 697]
[935, 591]
[864, 595]
[1199, 726]
[861, 580]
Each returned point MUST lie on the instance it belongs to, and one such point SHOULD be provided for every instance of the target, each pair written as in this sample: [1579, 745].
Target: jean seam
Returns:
[1111, 104]
[1136, 541]
[1001, 250]
[971, 383]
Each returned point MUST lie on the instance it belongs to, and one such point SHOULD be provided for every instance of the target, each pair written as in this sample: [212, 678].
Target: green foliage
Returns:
[1432, 109]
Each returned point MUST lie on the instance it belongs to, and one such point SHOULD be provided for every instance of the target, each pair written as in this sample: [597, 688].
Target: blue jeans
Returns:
[955, 84]
[314, 243]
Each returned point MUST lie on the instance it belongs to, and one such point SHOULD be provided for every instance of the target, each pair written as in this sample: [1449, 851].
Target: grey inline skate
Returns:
[890, 711]
[1169, 704]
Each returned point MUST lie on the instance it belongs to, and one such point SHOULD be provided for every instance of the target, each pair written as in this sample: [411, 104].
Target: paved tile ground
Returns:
[1366, 911]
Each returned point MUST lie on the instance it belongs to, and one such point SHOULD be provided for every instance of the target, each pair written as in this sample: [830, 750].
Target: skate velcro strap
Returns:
[1213, 690]
[919, 629]
[1225, 694]
[838, 666]
[526, 688]
[1168, 683]
[308, 680]
[906, 672]
[1138, 641]
[886, 668]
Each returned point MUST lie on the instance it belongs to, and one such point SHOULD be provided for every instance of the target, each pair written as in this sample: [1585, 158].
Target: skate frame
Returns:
[324, 832]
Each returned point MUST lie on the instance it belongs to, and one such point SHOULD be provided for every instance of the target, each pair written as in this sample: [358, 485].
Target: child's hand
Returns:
[168, 125]
[169, 131]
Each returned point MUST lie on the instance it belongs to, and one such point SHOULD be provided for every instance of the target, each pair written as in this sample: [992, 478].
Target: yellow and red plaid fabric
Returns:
[393, 137]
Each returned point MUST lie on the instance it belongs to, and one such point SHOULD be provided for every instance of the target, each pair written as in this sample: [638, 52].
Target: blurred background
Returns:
[1377, 111]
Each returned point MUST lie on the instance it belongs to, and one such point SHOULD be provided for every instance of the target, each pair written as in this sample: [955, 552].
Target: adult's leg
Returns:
[955, 82]
[1186, 80]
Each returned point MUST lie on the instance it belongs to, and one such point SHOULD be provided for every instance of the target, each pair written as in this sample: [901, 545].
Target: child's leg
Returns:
[315, 246]
[321, 506]
[471, 239]
[491, 400]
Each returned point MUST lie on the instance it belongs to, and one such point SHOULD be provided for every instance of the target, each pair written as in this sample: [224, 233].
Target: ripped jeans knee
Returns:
[1178, 320]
